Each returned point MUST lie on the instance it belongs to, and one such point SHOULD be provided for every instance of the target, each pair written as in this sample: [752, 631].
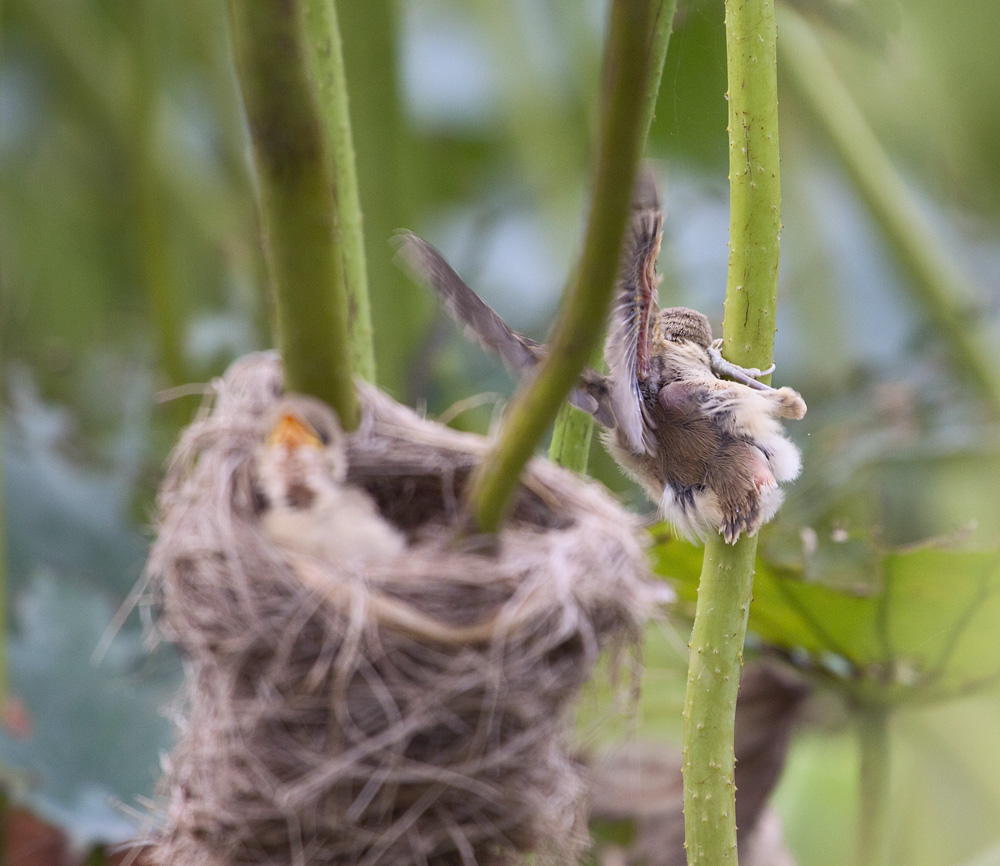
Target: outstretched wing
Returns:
[429, 267]
[519, 354]
[627, 349]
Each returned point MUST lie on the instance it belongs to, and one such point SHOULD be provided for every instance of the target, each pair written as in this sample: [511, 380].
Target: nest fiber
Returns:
[413, 709]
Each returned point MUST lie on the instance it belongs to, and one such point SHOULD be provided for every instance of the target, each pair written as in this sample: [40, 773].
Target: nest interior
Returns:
[399, 710]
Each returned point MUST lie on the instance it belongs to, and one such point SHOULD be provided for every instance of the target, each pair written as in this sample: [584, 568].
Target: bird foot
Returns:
[745, 375]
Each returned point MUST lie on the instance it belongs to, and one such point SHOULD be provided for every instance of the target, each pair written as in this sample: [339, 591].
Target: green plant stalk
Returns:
[573, 429]
[571, 437]
[390, 190]
[150, 210]
[323, 38]
[726, 582]
[709, 712]
[873, 782]
[296, 197]
[663, 27]
[934, 279]
[581, 319]
[163, 301]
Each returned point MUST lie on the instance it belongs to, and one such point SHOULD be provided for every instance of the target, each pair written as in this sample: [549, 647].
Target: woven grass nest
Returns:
[415, 709]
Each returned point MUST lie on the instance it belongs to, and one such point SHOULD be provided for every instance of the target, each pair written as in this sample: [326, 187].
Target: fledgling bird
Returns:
[305, 505]
[708, 450]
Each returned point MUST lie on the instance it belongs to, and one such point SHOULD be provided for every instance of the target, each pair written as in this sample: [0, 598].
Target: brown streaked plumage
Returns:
[708, 450]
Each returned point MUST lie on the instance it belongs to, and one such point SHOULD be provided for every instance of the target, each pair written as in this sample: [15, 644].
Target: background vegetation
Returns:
[130, 263]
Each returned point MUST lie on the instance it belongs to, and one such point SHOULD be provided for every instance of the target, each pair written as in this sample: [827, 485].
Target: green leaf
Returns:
[925, 629]
[97, 728]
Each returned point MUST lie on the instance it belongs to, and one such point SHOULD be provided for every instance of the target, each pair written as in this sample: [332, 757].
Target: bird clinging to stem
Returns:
[700, 435]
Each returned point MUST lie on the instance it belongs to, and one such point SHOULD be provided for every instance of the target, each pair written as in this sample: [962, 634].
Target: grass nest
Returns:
[415, 709]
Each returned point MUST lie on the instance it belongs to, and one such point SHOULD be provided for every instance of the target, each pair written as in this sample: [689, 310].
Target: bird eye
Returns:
[260, 500]
[324, 436]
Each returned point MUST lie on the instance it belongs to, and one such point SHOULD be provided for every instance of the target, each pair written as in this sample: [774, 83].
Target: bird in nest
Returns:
[701, 435]
[305, 505]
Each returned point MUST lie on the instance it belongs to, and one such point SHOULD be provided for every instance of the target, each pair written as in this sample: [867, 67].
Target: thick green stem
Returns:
[303, 241]
[748, 338]
[934, 279]
[323, 36]
[754, 188]
[574, 430]
[581, 319]
[720, 625]
[873, 791]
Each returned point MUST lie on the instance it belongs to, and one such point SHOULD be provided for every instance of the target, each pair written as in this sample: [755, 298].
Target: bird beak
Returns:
[291, 431]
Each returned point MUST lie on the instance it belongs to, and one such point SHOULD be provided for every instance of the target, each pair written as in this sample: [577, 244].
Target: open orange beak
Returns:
[292, 432]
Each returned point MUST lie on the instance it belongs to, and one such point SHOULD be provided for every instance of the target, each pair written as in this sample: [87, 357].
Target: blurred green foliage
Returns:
[130, 262]
[923, 630]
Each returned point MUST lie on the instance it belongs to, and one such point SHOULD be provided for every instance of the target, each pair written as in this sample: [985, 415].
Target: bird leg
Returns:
[745, 375]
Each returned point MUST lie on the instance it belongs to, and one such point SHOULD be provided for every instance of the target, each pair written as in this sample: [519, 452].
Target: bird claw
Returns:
[745, 375]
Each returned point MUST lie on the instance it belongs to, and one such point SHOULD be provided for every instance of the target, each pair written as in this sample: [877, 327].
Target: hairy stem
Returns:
[323, 37]
[873, 792]
[581, 319]
[726, 582]
[710, 702]
[574, 430]
[303, 242]
[934, 279]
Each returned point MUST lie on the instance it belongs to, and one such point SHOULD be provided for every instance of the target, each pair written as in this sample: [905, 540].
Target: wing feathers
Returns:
[429, 267]
[628, 345]
[519, 354]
